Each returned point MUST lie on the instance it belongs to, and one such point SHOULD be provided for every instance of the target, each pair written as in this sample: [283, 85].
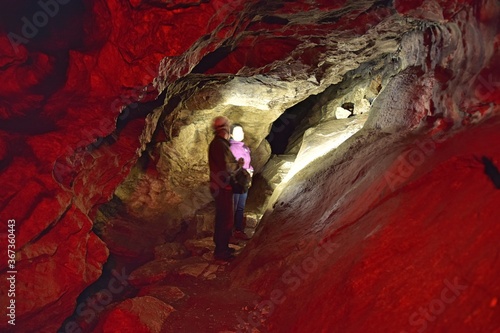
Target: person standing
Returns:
[240, 191]
[222, 165]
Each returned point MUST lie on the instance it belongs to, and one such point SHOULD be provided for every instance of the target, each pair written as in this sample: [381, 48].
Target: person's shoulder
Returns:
[216, 141]
[220, 141]
[218, 138]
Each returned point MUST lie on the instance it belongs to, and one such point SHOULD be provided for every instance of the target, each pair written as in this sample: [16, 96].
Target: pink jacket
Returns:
[239, 149]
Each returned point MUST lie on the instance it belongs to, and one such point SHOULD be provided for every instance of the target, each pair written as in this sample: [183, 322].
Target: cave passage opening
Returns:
[322, 122]
[312, 127]
[284, 127]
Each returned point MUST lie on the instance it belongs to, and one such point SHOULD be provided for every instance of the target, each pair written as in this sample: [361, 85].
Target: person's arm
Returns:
[250, 167]
[231, 164]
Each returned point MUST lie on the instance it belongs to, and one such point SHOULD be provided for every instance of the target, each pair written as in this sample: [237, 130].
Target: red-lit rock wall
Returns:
[399, 232]
[67, 69]
[66, 75]
[411, 247]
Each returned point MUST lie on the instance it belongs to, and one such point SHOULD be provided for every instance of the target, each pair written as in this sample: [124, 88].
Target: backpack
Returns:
[241, 181]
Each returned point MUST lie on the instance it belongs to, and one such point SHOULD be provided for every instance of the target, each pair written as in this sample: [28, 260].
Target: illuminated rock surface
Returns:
[104, 126]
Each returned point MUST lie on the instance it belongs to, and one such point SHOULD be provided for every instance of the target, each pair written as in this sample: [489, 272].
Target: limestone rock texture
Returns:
[105, 110]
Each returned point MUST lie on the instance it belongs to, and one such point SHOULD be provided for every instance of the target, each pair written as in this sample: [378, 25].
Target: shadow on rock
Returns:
[491, 171]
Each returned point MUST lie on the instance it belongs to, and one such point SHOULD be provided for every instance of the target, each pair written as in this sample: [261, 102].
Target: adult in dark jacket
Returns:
[222, 164]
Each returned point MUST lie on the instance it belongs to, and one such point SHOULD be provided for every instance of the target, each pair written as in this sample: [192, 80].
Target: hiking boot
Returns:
[238, 234]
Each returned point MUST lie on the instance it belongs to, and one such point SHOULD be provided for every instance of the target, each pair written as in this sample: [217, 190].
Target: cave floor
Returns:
[209, 305]
[206, 302]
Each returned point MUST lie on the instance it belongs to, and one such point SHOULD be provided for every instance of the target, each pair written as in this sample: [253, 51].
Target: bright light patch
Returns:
[323, 139]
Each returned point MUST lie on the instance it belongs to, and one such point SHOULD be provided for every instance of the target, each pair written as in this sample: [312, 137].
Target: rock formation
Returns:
[368, 215]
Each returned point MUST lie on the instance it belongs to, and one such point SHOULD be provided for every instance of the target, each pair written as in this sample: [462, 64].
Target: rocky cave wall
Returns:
[372, 235]
[172, 190]
[67, 140]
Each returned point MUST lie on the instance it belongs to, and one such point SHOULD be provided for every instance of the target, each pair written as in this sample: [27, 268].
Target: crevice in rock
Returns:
[131, 112]
[172, 6]
[283, 128]
[383, 4]
[138, 110]
[212, 59]
[270, 19]
[50, 226]
[110, 288]
[335, 16]
[491, 170]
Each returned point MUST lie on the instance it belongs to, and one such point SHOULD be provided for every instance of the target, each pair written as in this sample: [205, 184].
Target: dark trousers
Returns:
[240, 200]
[224, 220]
